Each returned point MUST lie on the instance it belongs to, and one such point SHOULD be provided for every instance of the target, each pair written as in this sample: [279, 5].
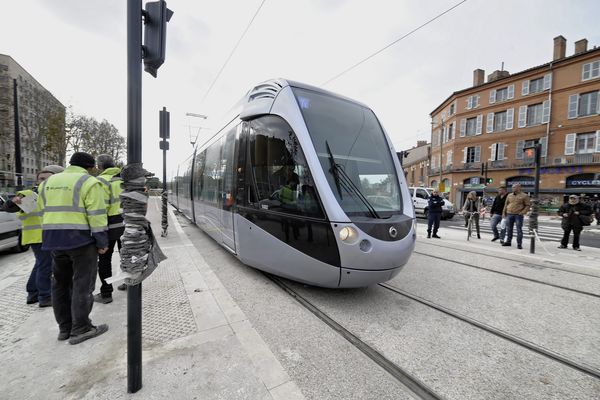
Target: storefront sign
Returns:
[523, 180]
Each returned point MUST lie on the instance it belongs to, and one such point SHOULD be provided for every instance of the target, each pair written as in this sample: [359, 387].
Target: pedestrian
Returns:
[110, 177]
[596, 209]
[39, 284]
[471, 210]
[496, 212]
[434, 213]
[573, 212]
[74, 228]
[515, 208]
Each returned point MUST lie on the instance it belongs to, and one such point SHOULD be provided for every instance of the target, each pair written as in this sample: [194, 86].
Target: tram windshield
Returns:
[353, 153]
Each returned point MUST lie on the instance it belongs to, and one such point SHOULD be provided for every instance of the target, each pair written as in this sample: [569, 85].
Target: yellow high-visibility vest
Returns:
[112, 190]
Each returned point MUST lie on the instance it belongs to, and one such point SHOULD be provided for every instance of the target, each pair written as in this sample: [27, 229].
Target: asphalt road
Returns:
[549, 231]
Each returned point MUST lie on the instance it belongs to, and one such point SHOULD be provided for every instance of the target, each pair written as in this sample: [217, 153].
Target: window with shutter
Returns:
[525, 88]
[490, 123]
[570, 144]
[449, 157]
[465, 150]
[500, 151]
[492, 96]
[547, 81]
[573, 104]
[588, 104]
[546, 112]
[544, 142]
[590, 70]
[477, 154]
[522, 116]
[479, 124]
[597, 142]
[510, 116]
[511, 91]
[463, 127]
[500, 121]
[493, 152]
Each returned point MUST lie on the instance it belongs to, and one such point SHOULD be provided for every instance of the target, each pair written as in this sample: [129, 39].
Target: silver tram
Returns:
[304, 184]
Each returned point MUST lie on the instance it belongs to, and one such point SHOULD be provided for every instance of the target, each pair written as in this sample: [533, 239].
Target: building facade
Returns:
[556, 104]
[34, 119]
[415, 163]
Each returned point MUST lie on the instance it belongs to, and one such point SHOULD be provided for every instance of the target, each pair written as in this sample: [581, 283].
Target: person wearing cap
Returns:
[571, 213]
[515, 209]
[496, 213]
[74, 228]
[39, 284]
[111, 182]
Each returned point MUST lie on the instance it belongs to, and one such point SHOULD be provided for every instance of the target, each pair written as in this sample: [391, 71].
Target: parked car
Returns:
[420, 197]
[10, 229]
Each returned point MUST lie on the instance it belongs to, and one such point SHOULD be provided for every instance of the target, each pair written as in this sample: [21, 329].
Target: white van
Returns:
[420, 196]
[10, 229]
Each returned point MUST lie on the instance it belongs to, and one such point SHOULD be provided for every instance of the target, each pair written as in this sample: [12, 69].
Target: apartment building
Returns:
[27, 111]
[556, 104]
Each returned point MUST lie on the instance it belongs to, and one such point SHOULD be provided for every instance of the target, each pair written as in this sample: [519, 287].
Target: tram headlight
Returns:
[348, 234]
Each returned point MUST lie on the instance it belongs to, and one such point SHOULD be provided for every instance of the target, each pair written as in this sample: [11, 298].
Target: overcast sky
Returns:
[77, 50]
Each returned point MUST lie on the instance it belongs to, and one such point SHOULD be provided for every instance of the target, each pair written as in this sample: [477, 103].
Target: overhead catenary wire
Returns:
[392, 43]
[232, 52]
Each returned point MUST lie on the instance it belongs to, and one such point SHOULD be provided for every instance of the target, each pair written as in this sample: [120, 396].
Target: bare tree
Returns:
[89, 135]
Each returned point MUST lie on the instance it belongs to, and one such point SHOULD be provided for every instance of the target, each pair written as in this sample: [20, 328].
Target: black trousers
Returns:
[567, 232]
[433, 219]
[73, 280]
[105, 267]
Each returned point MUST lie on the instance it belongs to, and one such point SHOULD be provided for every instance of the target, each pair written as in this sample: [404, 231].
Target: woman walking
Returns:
[471, 211]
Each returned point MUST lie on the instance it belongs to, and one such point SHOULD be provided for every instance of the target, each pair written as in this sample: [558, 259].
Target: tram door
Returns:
[227, 182]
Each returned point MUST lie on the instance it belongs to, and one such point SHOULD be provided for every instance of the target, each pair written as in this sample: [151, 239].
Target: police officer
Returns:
[111, 181]
[74, 228]
[39, 282]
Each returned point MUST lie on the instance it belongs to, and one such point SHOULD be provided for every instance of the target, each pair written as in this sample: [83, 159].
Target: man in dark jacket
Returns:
[434, 214]
[571, 213]
[496, 212]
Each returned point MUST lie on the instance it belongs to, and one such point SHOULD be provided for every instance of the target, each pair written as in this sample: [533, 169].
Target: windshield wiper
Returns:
[342, 179]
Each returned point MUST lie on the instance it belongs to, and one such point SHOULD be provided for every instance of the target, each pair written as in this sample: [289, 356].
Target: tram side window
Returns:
[226, 170]
[199, 171]
[212, 174]
[281, 178]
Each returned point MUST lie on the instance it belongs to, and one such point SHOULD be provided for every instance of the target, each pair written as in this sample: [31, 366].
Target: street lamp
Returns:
[189, 114]
[441, 186]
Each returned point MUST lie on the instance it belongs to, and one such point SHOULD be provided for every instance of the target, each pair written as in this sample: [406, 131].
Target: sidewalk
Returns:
[197, 343]
[545, 251]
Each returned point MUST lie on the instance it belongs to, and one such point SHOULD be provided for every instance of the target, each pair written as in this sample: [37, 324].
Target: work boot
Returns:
[122, 286]
[93, 332]
[45, 303]
[103, 298]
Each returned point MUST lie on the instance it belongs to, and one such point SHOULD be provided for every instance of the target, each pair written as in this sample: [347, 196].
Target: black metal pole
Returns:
[533, 218]
[18, 163]
[134, 155]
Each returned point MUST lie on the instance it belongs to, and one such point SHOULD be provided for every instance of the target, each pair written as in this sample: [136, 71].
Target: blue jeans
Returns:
[39, 283]
[510, 221]
[496, 219]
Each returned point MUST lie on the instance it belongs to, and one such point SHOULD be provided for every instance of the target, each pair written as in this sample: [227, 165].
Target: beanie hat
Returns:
[83, 160]
[53, 169]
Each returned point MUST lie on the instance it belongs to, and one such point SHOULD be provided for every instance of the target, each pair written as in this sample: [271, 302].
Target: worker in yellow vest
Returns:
[110, 177]
[39, 283]
[74, 228]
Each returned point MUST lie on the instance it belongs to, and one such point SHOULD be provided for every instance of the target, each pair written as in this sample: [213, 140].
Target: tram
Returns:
[303, 184]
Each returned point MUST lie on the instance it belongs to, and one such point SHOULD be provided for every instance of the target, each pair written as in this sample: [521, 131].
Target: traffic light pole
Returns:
[533, 217]
[134, 156]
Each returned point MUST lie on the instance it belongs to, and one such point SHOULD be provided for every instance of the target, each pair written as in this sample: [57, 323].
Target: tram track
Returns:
[409, 381]
[527, 264]
[512, 275]
[555, 356]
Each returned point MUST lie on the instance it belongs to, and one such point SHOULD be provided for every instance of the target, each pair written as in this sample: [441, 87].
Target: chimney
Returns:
[560, 48]
[478, 77]
[581, 46]
[421, 143]
[494, 76]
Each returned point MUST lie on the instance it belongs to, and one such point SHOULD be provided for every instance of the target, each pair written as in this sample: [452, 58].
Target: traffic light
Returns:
[482, 169]
[156, 17]
[489, 180]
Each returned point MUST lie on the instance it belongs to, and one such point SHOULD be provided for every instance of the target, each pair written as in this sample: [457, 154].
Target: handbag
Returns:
[585, 220]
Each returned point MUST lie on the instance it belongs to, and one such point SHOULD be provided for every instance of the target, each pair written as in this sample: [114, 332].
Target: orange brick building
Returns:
[556, 104]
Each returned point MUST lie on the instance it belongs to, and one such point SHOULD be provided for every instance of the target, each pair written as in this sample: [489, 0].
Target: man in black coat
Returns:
[496, 213]
[571, 213]
[434, 214]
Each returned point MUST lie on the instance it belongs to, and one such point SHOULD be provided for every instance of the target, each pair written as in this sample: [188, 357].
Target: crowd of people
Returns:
[508, 212]
[72, 220]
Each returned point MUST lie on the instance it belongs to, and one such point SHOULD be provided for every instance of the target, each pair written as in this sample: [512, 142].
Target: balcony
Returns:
[579, 159]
